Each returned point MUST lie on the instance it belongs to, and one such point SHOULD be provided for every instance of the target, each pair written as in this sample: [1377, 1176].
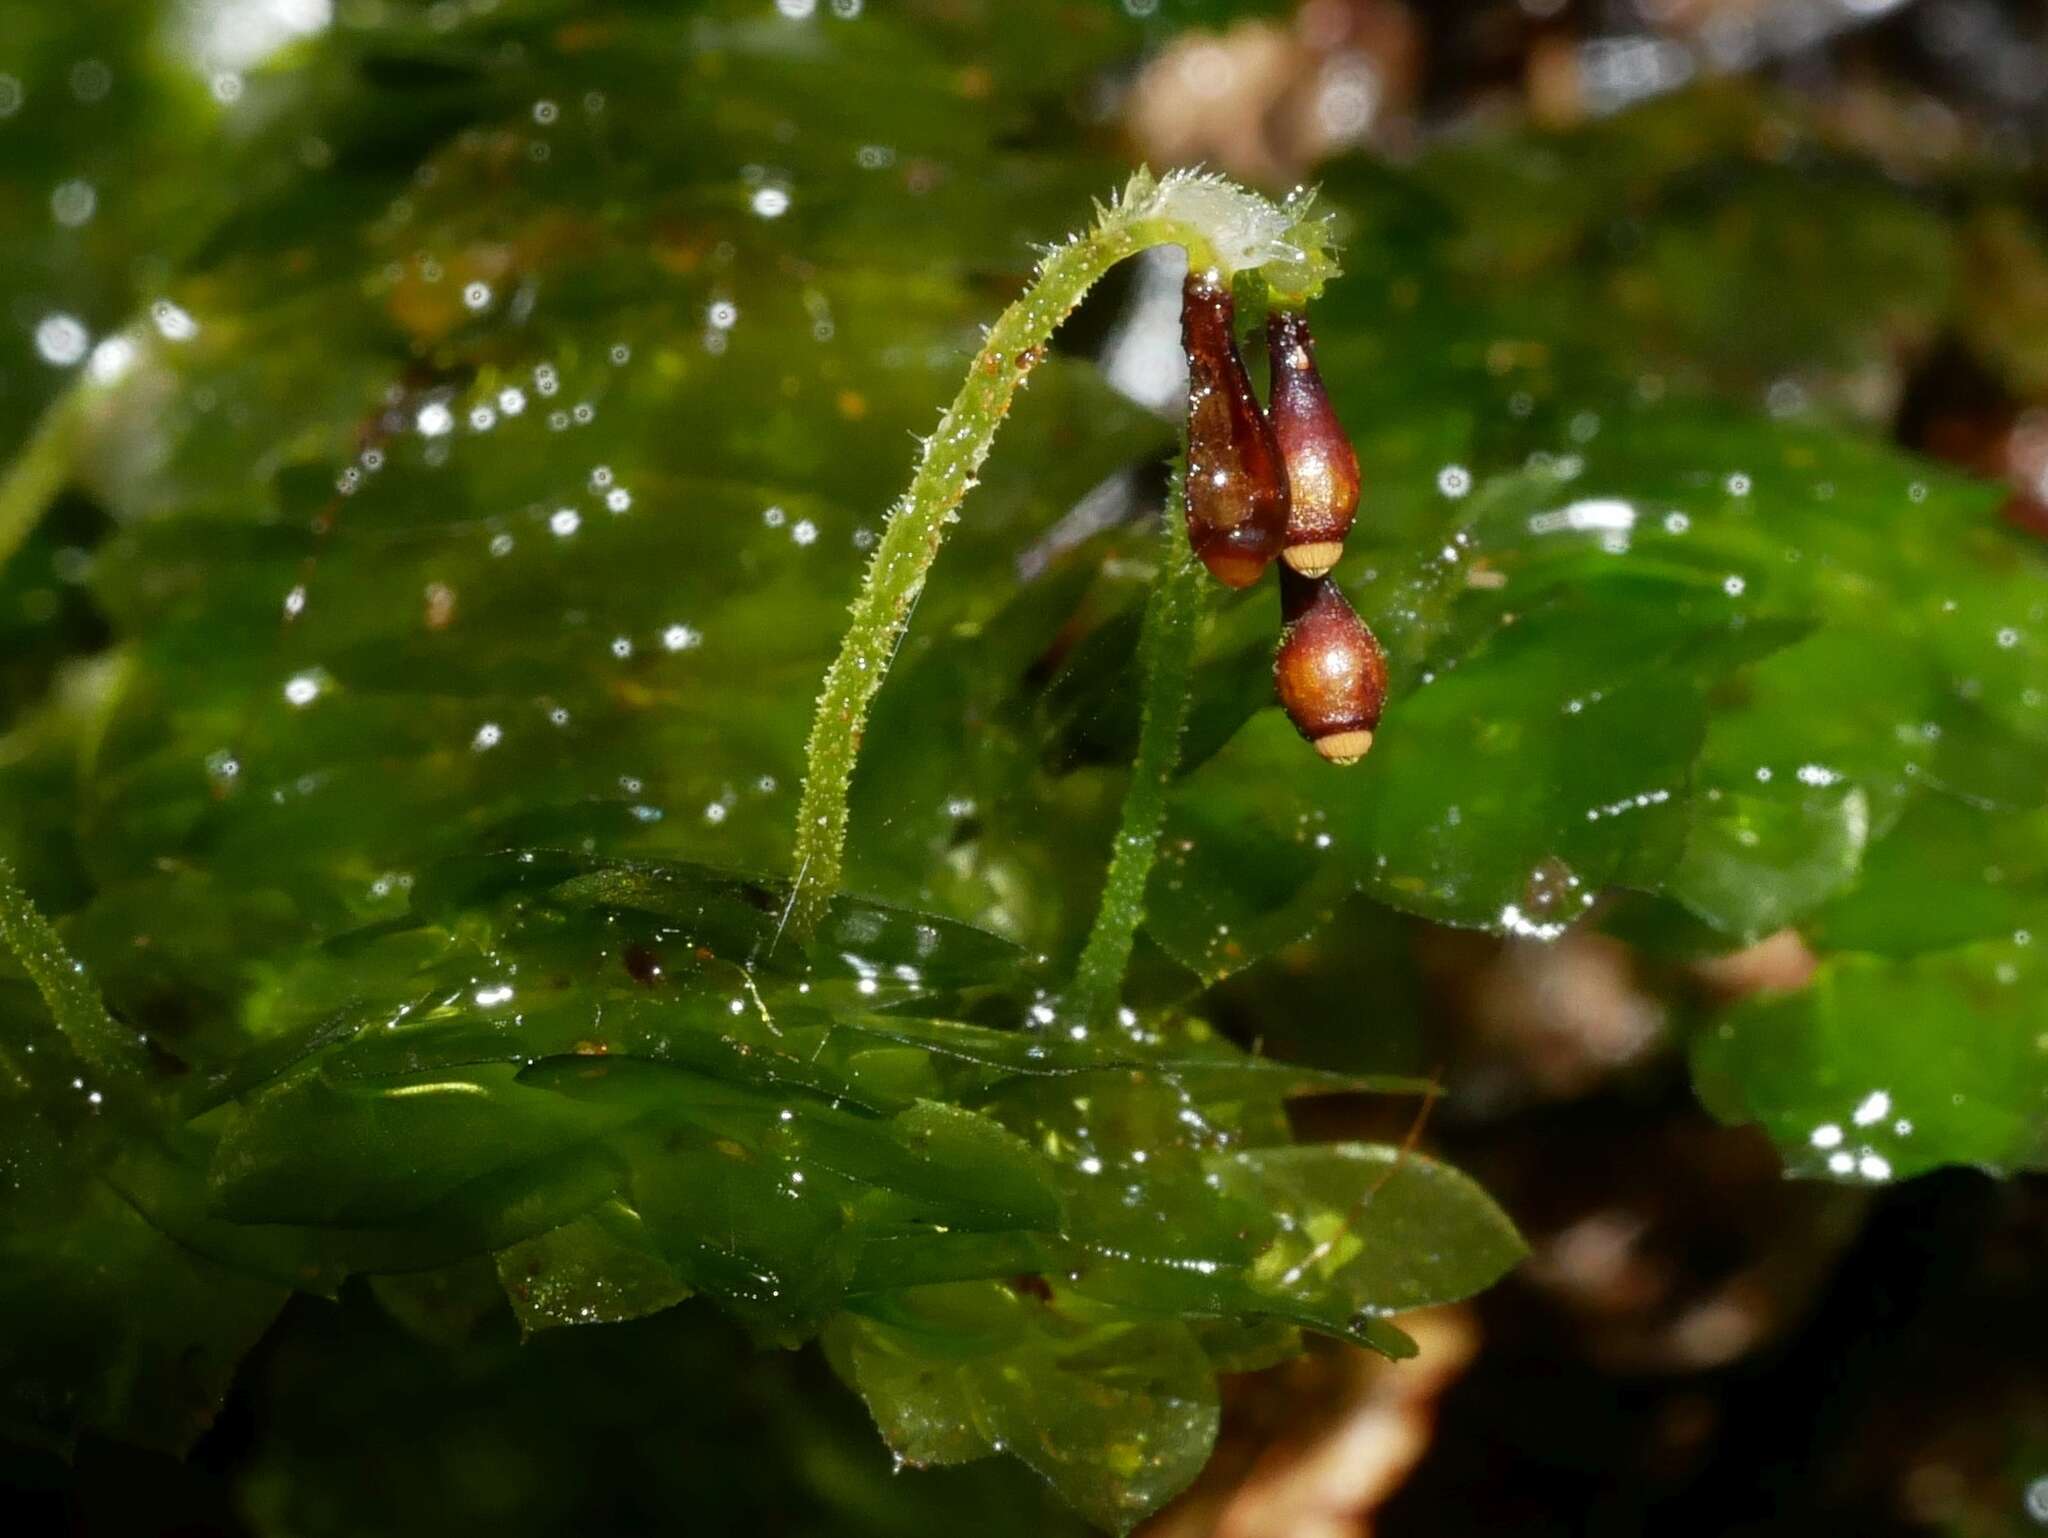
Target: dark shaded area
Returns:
[1905, 1396]
[345, 1421]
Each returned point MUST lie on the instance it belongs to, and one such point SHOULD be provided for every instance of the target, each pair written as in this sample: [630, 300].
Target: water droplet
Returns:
[61, 339]
[72, 203]
[2037, 1500]
[91, 80]
[111, 360]
[1589, 515]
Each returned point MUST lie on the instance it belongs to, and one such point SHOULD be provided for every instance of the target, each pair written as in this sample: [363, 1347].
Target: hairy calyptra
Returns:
[1330, 671]
[1236, 486]
[1322, 466]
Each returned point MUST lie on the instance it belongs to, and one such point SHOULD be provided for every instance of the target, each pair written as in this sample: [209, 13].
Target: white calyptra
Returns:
[1243, 231]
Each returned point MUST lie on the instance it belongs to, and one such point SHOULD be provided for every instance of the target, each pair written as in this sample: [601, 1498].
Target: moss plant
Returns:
[1224, 229]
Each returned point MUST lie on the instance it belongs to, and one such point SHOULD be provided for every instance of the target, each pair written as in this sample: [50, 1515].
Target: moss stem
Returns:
[1166, 650]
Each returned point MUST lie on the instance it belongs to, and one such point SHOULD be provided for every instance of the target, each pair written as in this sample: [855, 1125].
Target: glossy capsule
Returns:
[1237, 488]
[1330, 672]
[1322, 466]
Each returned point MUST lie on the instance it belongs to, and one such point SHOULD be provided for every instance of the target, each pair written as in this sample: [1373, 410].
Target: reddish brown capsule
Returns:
[1330, 671]
[1322, 466]
[1237, 489]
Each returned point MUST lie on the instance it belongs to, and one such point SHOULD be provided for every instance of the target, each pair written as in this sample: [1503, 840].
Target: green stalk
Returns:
[1223, 228]
[1166, 652]
[68, 992]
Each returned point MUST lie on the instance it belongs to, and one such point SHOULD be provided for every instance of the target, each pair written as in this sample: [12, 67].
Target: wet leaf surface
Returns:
[1864, 1075]
[472, 433]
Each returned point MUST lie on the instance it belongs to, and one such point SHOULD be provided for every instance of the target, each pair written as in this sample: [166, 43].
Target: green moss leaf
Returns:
[598, 1269]
[108, 1323]
[1884, 1068]
[1118, 1417]
[1372, 1227]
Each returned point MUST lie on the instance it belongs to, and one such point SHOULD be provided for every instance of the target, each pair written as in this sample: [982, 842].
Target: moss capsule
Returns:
[1330, 672]
[1322, 466]
[1237, 487]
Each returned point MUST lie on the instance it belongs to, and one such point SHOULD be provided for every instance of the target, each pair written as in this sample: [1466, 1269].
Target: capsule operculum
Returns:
[1236, 482]
[1315, 558]
[1329, 671]
[1321, 465]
